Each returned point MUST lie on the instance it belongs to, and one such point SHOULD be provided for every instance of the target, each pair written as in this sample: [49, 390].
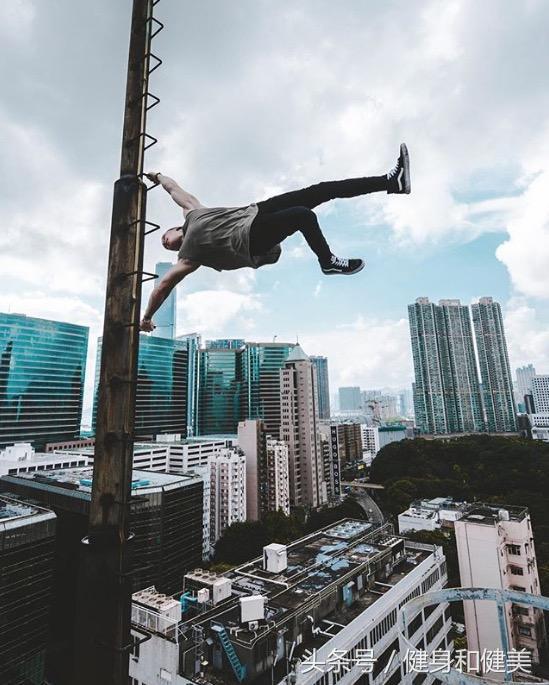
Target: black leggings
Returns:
[281, 216]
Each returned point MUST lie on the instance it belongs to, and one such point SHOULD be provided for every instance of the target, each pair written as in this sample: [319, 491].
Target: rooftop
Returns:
[317, 565]
[488, 514]
[79, 480]
[17, 512]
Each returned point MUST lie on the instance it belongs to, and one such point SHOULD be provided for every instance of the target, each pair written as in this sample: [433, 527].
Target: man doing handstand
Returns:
[226, 238]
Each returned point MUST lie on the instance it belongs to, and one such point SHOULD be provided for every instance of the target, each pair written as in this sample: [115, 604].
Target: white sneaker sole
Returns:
[336, 272]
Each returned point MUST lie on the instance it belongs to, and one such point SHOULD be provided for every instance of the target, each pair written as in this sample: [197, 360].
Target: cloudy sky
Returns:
[260, 97]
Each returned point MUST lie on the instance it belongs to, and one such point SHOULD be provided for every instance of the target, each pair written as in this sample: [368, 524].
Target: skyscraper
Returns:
[162, 384]
[523, 386]
[192, 341]
[165, 318]
[447, 396]
[166, 516]
[262, 365]
[323, 385]
[540, 393]
[227, 490]
[221, 398]
[238, 381]
[27, 544]
[350, 398]
[497, 385]
[267, 476]
[42, 366]
[299, 431]
[495, 547]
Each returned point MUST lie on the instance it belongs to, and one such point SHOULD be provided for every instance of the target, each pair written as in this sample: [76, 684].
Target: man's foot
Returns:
[337, 265]
[398, 179]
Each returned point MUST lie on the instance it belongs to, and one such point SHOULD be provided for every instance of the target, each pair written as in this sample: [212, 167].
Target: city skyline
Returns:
[477, 205]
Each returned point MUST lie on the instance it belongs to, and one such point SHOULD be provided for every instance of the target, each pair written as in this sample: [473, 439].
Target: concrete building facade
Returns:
[299, 430]
[496, 550]
[227, 491]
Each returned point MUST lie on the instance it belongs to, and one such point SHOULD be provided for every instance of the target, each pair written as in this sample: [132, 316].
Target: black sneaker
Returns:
[346, 267]
[398, 179]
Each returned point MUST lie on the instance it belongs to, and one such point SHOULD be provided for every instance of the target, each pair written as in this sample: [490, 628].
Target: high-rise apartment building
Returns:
[166, 516]
[497, 384]
[447, 396]
[162, 385]
[42, 366]
[27, 545]
[370, 440]
[350, 399]
[496, 550]
[540, 394]
[523, 384]
[278, 476]
[323, 386]
[267, 475]
[299, 430]
[165, 318]
[227, 491]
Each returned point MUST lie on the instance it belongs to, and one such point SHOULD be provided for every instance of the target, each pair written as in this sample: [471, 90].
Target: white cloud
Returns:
[16, 20]
[370, 353]
[211, 312]
[526, 252]
[527, 336]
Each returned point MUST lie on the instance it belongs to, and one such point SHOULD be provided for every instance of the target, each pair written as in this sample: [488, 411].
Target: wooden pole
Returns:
[104, 609]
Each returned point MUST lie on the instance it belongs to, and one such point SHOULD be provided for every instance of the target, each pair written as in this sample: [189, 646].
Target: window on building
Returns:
[516, 570]
[513, 549]
[523, 630]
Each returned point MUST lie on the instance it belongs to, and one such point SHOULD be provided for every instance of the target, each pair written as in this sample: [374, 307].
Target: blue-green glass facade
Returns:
[238, 382]
[221, 399]
[262, 365]
[162, 381]
[42, 367]
[323, 384]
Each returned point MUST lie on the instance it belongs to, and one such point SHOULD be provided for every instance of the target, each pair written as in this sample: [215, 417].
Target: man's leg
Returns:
[396, 181]
[323, 192]
[271, 228]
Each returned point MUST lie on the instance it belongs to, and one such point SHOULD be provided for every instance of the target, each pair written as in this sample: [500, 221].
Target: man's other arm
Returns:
[163, 288]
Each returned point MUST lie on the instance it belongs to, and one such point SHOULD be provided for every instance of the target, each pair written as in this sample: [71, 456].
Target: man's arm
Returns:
[178, 195]
[163, 288]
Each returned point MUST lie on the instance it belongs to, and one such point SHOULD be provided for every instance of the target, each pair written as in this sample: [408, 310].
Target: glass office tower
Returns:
[323, 385]
[162, 381]
[42, 367]
[27, 546]
[165, 514]
[221, 398]
[165, 318]
[263, 362]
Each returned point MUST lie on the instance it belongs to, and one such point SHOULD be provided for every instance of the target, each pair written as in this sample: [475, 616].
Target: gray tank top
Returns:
[219, 237]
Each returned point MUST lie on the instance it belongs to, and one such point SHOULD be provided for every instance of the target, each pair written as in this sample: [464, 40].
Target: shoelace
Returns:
[338, 261]
[394, 170]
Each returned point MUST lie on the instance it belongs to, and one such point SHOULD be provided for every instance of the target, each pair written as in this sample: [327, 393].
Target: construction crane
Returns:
[104, 599]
